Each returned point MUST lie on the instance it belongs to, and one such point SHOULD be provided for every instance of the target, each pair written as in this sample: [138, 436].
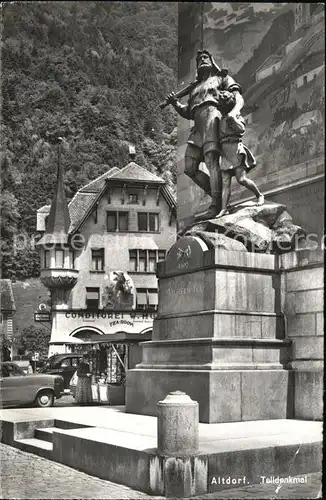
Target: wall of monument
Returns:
[303, 288]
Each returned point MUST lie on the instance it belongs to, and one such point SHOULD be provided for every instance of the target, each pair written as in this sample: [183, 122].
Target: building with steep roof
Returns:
[124, 221]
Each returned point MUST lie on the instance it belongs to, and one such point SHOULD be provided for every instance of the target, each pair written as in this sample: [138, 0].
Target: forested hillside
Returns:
[93, 73]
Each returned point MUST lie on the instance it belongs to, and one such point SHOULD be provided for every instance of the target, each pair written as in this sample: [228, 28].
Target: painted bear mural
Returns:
[119, 293]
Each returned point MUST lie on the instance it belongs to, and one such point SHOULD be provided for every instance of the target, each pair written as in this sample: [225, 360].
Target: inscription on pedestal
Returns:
[184, 293]
[187, 254]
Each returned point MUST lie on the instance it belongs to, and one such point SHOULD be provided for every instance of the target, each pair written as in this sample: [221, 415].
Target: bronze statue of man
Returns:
[215, 103]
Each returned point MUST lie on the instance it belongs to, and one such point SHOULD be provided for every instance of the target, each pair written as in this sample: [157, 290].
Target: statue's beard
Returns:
[204, 70]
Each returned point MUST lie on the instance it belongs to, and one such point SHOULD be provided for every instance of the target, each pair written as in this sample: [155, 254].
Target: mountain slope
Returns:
[93, 73]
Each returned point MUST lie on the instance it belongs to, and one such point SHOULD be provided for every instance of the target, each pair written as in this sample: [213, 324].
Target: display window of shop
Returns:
[108, 362]
[97, 259]
[93, 298]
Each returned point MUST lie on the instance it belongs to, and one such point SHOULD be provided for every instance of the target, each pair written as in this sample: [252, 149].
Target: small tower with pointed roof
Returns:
[58, 271]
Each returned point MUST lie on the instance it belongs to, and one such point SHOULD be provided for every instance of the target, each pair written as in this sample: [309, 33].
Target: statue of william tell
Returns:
[214, 104]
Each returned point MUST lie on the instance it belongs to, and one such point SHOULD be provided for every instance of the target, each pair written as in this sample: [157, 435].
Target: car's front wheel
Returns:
[44, 399]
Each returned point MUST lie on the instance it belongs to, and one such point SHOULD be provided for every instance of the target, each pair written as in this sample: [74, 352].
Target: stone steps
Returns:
[45, 434]
[36, 446]
[122, 448]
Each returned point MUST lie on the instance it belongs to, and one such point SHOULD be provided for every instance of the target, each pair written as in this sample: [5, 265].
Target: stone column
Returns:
[177, 425]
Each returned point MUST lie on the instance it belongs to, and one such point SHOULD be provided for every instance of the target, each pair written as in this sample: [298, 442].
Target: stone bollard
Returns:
[177, 425]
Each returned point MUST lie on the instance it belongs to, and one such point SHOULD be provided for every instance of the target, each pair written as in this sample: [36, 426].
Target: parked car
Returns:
[17, 388]
[24, 363]
[62, 364]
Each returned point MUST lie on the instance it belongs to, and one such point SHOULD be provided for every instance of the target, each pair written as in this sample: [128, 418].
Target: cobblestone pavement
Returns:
[27, 476]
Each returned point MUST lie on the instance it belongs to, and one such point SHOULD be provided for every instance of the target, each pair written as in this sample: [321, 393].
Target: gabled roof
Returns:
[7, 296]
[79, 205]
[97, 184]
[84, 201]
[134, 172]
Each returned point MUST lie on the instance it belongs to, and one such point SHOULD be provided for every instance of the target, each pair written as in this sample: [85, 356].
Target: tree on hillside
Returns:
[9, 216]
[34, 339]
[93, 73]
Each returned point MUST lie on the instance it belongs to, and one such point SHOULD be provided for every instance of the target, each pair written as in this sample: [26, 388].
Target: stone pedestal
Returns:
[218, 336]
[177, 425]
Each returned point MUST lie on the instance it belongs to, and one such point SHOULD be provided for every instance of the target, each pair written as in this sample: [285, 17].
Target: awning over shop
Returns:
[153, 298]
[122, 337]
[141, 298]
[71, 340]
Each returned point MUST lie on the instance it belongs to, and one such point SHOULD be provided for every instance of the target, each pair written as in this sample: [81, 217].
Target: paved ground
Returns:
[66, 400]
[26, 476]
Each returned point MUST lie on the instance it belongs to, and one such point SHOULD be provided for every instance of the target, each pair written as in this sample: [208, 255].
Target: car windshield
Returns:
[48, 362]
[11, 370]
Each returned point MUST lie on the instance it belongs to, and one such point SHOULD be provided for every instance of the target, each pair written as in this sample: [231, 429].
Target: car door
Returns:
[67, 370]
[14, 386]
[5, 392]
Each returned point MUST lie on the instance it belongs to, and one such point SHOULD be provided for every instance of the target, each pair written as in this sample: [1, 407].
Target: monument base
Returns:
[223, 395]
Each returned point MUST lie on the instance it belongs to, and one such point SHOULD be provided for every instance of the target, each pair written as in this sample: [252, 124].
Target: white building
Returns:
[270, 66]
[309, 76]
[99, 255]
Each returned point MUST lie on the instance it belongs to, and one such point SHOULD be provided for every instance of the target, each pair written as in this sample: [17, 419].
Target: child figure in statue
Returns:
[236, 159]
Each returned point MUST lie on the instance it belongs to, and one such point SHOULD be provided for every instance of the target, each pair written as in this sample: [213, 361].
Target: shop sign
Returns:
[114, 317]
[43, 316]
